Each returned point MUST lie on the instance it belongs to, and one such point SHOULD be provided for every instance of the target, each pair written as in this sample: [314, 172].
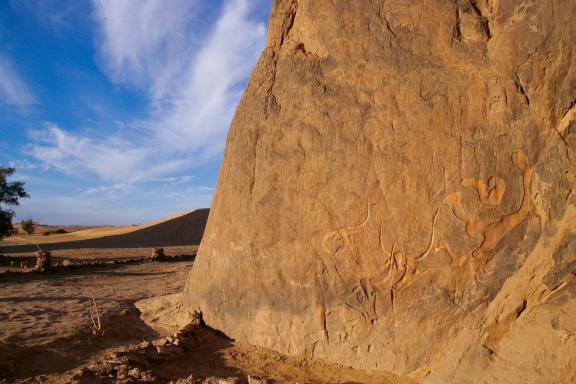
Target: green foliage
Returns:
[10, 193]
[28, 225]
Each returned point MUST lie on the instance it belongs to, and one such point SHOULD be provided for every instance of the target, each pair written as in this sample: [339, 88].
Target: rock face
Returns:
[397, 191]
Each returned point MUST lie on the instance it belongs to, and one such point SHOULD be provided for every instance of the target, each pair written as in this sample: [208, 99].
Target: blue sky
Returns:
[116, 111]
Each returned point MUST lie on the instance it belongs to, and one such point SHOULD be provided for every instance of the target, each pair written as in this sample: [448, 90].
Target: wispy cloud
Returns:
[112, 159]
[152, 184]
[110, 190]
[145, 42]
[173, 180]
[193, 78]
[198, 117]
[13, 89]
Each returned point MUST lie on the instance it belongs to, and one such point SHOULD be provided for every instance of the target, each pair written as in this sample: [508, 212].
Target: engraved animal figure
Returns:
[491, 232]
[497, 230]
[342, 246]
[339, 240]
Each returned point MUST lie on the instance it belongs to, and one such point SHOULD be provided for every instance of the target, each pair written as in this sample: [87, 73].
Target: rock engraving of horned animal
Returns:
[334, 243]
[359, 295]
[398, 272]
[338, 240]
[401, 269]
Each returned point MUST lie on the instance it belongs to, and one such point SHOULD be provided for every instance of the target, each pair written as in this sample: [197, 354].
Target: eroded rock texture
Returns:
[397, 191]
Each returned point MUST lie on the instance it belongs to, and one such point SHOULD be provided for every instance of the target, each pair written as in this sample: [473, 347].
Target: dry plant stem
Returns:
[96, 328]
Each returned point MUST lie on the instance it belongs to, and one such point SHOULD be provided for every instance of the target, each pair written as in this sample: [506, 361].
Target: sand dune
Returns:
[179, 230]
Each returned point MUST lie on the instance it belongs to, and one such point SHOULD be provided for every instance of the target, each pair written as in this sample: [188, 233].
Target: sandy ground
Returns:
[45, 318]
[92, 254]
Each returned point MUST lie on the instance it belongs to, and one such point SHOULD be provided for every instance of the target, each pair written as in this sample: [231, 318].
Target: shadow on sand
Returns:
[19, 362]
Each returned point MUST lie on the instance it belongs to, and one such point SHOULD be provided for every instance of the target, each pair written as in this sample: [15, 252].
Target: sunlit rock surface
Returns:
[397, 191]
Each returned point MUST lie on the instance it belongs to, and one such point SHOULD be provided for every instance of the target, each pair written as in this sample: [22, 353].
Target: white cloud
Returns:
[151, 184]
[112, 159]
[110, 190]
[199, 116]
[173, 180]
[144, 41]
[13, 90]
[193, 86]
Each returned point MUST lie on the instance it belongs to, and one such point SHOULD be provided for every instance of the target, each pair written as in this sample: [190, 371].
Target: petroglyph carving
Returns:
[495, 231]
[334, 242]
[432, 235]
[490, 193]
[473, 225]
[492, 231]
[339, 239]
[364, 300]
[399, 270]
[457, 260]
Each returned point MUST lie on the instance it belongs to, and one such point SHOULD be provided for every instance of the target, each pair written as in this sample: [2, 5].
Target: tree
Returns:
[28, 225]
[10, 193]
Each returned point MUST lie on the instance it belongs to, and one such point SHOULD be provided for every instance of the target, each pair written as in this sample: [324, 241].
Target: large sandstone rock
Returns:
[397, 191]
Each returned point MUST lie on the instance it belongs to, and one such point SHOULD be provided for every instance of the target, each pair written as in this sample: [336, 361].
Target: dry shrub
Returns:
[96, 326]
